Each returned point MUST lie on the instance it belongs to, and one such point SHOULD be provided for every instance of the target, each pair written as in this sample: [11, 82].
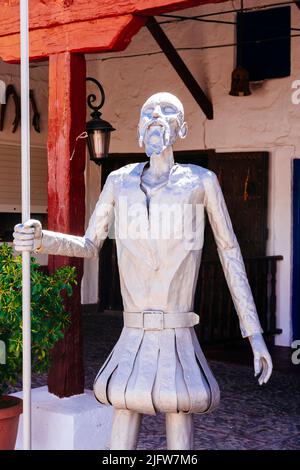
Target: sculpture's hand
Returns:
[28, 236]
[262, 359]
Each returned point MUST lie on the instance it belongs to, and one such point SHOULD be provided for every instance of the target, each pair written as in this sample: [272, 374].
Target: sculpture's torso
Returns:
[158, 262]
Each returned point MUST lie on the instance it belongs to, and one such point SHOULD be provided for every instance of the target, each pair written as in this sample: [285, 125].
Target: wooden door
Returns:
[296, 250]
[243, 177]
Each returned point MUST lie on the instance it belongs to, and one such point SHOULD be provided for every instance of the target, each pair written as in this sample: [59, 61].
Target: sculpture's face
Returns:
[161, 122]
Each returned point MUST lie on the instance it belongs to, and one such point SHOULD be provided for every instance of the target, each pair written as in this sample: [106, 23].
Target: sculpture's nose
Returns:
[156, 112]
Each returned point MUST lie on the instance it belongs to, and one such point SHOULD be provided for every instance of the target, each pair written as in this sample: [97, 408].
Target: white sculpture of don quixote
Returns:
[157, 210]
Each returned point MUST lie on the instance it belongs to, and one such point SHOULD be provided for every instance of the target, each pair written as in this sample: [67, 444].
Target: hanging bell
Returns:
[240, 82]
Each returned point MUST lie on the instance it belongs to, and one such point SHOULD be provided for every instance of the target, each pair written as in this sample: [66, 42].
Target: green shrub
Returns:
[48, 316]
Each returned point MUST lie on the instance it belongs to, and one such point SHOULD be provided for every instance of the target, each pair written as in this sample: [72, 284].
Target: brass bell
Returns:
[240, 82]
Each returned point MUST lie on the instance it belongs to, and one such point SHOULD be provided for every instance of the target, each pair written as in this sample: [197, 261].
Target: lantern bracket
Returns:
[92, 98]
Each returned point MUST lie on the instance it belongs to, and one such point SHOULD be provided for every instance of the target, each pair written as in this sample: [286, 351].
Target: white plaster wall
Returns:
[280, 240]
[10, 74]
[89, 286]
[266, 120]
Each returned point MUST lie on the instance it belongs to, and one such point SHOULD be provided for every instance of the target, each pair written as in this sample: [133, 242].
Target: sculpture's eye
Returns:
[148, 111]
[168, 109]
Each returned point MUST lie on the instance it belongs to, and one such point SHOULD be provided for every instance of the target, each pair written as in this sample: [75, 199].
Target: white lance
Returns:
[25, 176]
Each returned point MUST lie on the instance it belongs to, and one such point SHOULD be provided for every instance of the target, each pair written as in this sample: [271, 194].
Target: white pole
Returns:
[25, 172]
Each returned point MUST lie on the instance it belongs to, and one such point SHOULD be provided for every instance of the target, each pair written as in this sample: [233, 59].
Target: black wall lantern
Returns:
[98, 130]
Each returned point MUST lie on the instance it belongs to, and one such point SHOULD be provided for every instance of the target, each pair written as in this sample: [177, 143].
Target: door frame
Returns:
[296, 251]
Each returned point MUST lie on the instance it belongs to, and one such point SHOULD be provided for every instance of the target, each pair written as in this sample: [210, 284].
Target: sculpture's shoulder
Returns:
[132, 169]
[191, 171]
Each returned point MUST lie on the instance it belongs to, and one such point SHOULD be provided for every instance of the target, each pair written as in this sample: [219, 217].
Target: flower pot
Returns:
[10, 410]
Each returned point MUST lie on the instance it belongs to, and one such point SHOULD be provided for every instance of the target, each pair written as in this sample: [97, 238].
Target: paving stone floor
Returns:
[249, 416]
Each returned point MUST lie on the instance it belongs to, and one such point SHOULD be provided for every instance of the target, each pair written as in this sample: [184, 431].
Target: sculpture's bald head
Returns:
[164, 97]
[161, 122]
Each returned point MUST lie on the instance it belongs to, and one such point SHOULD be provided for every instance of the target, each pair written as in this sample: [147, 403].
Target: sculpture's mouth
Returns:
[155, 124]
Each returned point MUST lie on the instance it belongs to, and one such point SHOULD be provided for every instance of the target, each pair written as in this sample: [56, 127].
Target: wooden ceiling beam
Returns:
[180, 67]
[51, 13]
[85, 37]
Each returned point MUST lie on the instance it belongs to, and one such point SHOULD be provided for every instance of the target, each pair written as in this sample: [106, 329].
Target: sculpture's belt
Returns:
[159, 320]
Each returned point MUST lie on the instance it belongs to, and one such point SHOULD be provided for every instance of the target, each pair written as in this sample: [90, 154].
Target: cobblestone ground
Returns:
[249, 416]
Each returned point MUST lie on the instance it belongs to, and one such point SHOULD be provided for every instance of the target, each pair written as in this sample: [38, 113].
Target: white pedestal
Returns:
[75, 423]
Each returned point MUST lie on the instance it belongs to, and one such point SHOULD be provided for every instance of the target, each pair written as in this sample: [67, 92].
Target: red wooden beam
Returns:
[66, 202]
[107, 34]
[51, 13]
[180, 67]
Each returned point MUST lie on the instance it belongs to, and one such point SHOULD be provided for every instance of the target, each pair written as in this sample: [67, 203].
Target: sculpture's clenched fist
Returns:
[262, 360]
[28, 236]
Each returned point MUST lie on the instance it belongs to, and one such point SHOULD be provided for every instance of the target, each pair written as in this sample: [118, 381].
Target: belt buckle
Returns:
[155, 322]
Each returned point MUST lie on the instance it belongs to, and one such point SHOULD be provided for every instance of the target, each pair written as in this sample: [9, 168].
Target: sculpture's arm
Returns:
[235, 274]
[30, 236]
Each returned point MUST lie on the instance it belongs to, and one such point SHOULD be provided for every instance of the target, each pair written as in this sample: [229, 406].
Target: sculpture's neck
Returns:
[162, 164]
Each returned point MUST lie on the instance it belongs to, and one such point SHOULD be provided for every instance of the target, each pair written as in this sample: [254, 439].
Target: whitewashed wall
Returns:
[10, 74]
[266, 120]
[10, 167]
[10, 142]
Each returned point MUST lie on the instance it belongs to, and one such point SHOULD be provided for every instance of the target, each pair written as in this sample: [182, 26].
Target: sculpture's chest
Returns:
[173, 213]
[181, 188]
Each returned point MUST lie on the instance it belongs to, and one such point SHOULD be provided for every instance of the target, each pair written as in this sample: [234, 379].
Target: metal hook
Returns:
[36, 114]
[10, 90]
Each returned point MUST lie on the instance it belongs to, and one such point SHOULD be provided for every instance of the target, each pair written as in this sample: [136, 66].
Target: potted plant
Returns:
[48, 323]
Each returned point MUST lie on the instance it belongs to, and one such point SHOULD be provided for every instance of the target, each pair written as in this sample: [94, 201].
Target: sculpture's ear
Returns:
[140, 137]
[183, 131]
